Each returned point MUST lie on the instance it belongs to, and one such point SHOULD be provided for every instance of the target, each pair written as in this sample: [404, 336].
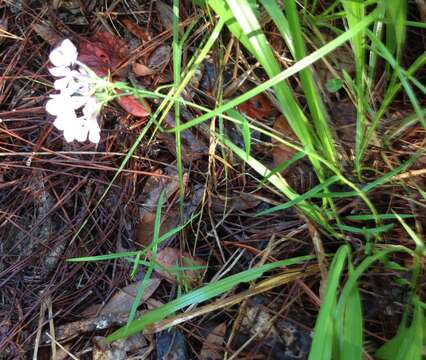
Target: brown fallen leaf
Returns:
[280, 151]
[165, 14]
[134, 106]
[160, 57]
[170, 258]
[212, 346]
[149, 200]
[47, 33]
[136, 30]
[258, 107]
[145, 227]
[103, 52]
[142, 70]
[238, 201]
[118, 350]
[70, 330]
[123, 299]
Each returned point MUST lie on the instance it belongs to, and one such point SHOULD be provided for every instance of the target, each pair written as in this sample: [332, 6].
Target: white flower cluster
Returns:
[75, 92]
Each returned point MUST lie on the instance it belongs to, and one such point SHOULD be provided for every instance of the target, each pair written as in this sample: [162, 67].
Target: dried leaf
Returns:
[134, 106]
[145, 228]
[136, 30]
[165, 14]
[118, 350]
[170, 258]
[191, 147]
[47, 33]
[123, 300]
[287, 335]
[142, 70]
[160, 57]
[282, 152]
[171, 345]
[212, 346]
[258, 107]
[237, 201]
[103, 52]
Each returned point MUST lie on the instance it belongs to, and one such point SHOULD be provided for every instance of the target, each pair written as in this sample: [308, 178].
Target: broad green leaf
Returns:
[324, 332]
[349, 326]
[408, 342]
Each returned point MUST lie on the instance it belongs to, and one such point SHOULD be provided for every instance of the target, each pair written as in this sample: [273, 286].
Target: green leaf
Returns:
[408, 342]
[349, 326]
[333, 85]
[324, 332]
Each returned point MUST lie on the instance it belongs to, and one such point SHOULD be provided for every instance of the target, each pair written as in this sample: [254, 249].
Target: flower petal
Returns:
[60, 123]
[62, 84]
[78, 101]
[90, 109]
[64, 55]
[69, 50]
[54, 105]
[94, 136]
[59, 71]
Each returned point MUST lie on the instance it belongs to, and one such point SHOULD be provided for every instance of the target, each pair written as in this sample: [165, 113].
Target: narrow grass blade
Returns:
[150, 268]
[260, 48]
[396, 27]
[355, 12]
[420, 245]
[298, 199]
[368, 217]
[292, 70]
[245, 129]
[315, 104]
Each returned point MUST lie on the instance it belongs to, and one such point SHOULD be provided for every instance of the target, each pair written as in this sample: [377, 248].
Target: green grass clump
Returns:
[376, 32]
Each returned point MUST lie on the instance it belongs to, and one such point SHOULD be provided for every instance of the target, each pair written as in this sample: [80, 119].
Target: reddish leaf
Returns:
[103, 52]
[134, 106]
[258, 107]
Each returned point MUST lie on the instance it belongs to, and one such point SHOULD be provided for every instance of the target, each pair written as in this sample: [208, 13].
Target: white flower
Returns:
[63, 106]
[64, 55]
[74, 85]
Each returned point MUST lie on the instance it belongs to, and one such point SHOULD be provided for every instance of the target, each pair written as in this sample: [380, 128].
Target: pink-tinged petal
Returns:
[60, 71]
